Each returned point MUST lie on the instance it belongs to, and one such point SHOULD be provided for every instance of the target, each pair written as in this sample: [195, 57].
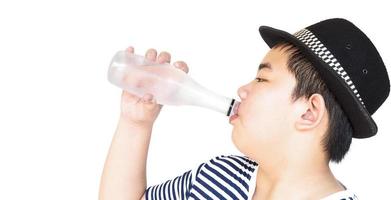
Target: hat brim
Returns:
[362, 123]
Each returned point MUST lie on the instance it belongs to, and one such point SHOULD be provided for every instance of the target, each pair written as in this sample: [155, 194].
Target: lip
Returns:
[233, 117]
[235, 113]
[236, 110]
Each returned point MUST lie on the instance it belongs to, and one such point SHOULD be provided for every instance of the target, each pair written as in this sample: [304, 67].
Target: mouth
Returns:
[233, 117]
[236, 113]
[236, 109]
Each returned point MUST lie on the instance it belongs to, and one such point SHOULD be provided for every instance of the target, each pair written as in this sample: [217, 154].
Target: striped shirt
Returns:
[222, 177]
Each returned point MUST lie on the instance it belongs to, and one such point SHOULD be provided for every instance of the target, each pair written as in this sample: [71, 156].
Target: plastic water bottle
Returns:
[168, 85]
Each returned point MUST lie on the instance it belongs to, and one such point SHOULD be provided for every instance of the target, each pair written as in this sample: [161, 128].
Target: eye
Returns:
[259, 79]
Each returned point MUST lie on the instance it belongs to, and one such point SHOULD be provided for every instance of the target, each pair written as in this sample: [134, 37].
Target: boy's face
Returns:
[266, 113]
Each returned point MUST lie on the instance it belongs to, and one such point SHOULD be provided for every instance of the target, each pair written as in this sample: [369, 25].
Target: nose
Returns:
[242, 92]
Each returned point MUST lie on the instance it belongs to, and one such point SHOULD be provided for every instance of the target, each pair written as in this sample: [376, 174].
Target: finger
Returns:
[130, 49]
[129, 97]
[152, 106]
[151, 54]
[147, 97]
[149, 100]
[164, 57]
[182, 66]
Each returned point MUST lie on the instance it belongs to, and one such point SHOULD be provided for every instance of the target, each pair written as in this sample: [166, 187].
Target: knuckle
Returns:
[165, 53]
[151, 50]
[151, 54]
[182, 63]
[164, 57]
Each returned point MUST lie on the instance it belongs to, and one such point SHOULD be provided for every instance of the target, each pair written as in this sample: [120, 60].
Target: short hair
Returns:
[338, 137]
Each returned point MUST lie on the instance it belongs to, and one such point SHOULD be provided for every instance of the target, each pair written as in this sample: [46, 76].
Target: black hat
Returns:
[349, 64]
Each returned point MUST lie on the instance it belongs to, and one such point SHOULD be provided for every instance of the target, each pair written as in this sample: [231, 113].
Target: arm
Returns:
[124, 173]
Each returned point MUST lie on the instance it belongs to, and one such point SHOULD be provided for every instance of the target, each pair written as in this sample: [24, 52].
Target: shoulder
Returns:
[241, 164]
[225, 175]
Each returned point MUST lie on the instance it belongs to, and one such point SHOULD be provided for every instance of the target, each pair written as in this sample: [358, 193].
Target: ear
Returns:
[313, 112]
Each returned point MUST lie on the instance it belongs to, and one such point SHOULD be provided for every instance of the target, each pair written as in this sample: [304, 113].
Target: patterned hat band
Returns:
[309, 39]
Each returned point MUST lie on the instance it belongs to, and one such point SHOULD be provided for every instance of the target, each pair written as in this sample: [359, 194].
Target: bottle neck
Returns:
[208, 99]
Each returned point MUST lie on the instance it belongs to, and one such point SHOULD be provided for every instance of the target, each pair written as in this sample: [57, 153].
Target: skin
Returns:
[283, 136]
[124, 173]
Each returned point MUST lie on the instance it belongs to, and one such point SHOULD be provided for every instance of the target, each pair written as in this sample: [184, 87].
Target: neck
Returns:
[307, 175]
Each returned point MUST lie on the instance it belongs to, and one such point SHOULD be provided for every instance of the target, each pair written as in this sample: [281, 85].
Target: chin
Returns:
[238, 139]
[234, 137]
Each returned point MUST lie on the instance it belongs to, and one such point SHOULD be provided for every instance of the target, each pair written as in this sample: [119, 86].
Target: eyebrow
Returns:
[265, 65]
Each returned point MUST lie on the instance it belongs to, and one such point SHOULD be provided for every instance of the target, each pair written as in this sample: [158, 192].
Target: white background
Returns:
[58, 112]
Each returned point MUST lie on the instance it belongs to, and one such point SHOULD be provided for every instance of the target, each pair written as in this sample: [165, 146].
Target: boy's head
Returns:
[312, 93]
[287, 105]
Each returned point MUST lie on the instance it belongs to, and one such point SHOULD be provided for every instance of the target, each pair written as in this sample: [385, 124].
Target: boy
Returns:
[313, 93]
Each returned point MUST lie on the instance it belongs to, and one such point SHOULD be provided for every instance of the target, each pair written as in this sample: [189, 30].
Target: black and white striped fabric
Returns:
[308, 38]
[223, 177]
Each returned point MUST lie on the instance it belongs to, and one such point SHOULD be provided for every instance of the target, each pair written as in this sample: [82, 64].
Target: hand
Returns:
[144, 111]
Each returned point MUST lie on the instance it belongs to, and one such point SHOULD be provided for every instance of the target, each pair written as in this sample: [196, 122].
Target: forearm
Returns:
[124, 174]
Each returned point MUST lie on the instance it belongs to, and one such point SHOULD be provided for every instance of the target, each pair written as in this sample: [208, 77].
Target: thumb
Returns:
[149, 101]
[147, 97]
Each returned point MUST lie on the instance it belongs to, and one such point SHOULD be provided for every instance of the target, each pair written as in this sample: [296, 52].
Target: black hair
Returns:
[339, 133]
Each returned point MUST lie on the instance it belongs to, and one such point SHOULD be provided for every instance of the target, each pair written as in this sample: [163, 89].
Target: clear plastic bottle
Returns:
[169, 85]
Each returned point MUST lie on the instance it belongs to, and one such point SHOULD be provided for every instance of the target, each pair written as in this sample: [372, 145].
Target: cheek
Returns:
[263, 123]
[265, 116]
